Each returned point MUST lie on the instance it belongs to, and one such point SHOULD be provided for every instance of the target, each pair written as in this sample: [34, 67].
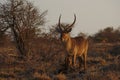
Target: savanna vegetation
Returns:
[27, 53]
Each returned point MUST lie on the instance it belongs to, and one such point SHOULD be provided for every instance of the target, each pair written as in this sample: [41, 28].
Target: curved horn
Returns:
[59, 21]
[73, 21]
[59, 24]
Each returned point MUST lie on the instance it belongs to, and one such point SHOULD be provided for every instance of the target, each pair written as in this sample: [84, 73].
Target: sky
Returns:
[92, 15]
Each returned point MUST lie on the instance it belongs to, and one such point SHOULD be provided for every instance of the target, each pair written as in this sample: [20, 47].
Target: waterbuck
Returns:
[75, 47]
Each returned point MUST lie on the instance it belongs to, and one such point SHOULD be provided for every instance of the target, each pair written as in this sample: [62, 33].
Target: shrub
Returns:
[115, 51]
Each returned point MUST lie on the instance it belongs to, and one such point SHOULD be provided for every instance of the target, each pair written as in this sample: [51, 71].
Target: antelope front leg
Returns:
[74, 62]
[85, 56]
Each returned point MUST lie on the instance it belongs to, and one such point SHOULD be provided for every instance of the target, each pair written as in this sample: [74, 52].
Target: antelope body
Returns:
[77, 46]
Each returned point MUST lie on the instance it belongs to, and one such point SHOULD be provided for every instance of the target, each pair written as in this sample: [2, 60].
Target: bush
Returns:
[115, 51]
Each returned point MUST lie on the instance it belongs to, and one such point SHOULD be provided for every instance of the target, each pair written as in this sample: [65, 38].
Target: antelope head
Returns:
[65, 29]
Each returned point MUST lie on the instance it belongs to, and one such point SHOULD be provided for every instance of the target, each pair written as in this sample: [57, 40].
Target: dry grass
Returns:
[41, 76]
[46, 62]
[60, 77]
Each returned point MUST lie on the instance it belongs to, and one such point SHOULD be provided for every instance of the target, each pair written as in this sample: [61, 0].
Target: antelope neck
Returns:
[68, 43]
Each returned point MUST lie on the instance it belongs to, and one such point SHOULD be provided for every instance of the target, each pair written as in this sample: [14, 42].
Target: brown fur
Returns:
[76, 47]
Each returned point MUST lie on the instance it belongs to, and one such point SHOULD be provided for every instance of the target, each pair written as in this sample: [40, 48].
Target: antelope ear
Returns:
[69, 30]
